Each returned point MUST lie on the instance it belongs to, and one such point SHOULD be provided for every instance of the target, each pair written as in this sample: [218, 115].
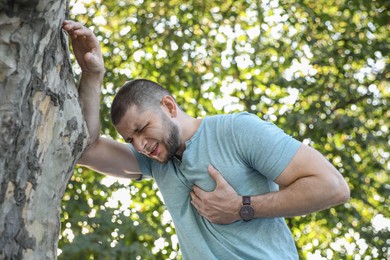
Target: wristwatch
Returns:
[246, 210]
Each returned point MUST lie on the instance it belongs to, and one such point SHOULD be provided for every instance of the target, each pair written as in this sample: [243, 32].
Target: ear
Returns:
[170, 105]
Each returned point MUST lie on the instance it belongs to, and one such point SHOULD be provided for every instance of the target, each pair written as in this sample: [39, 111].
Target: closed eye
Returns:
[143, 128]
[138, 130]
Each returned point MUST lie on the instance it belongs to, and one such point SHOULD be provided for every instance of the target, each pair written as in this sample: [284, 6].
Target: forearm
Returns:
[308, 184]
[89, 92]
[302, 197]
[87, 51]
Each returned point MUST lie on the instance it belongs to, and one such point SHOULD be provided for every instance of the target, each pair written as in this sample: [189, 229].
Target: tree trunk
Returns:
[42, 133]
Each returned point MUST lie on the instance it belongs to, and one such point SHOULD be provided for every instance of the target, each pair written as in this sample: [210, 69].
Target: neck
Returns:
[188, 127]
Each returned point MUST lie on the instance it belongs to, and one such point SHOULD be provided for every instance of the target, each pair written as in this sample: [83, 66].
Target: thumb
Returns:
[216, 175]
[92, 62]
[89, 57]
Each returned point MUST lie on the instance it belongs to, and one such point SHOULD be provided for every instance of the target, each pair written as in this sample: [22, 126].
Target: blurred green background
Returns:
[317, 69]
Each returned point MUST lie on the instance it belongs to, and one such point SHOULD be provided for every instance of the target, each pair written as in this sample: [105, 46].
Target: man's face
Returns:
[150, 132]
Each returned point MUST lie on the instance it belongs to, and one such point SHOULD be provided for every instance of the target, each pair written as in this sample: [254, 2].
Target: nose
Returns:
[139, 143]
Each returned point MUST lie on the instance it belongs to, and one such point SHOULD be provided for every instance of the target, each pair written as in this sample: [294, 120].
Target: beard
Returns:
[172, 142]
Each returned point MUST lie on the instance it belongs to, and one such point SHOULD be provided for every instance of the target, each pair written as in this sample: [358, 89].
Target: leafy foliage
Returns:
[318, 69]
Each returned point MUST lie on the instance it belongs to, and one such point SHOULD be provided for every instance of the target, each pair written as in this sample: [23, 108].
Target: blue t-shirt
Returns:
[250, 154]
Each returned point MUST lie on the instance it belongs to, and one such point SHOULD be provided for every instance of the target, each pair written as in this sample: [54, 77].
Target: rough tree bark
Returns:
[42, 133]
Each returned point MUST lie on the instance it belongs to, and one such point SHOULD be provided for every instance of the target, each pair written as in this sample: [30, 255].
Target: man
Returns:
[235, 169]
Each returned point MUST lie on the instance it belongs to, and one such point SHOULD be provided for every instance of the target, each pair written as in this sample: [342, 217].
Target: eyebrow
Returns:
[138, 126]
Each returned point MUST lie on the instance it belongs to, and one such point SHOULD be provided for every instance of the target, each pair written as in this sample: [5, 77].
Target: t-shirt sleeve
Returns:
[262, 145]
[144, 163]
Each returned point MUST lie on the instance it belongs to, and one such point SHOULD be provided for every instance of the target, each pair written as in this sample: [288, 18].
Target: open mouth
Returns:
[154, 150]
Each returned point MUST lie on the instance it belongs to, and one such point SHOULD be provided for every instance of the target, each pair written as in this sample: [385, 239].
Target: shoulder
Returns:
[245, 121]
[235, 117]
[237, 122]
[247, 117]
[250, 127]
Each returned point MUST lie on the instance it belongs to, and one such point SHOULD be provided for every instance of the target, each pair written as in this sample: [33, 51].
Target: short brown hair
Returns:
[142, 93]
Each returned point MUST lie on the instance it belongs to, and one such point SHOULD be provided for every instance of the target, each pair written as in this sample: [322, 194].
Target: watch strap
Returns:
[246, 200]
[246, 211]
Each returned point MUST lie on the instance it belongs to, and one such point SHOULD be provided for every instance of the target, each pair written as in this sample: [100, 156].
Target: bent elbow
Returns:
[343, 193]
[88, 153]
[347, 193]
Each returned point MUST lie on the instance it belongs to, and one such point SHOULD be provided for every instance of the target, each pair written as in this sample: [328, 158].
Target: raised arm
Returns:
[89, 57]
[308, 184]
[102, 154]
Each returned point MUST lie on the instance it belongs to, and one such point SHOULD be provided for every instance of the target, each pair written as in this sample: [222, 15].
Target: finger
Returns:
[77, 28]
[195, 202]
[195, 205]
[216, 175]
[67, 23]
[72, 31]
[196, 189]
[195, 198]
[81, 32]
[192, 195]
[73, 25]
[70, 25]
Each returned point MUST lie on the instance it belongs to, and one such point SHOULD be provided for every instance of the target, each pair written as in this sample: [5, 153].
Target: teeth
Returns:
[154, 148]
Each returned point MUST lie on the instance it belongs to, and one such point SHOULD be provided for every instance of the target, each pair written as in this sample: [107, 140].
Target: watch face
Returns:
[246, 212]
